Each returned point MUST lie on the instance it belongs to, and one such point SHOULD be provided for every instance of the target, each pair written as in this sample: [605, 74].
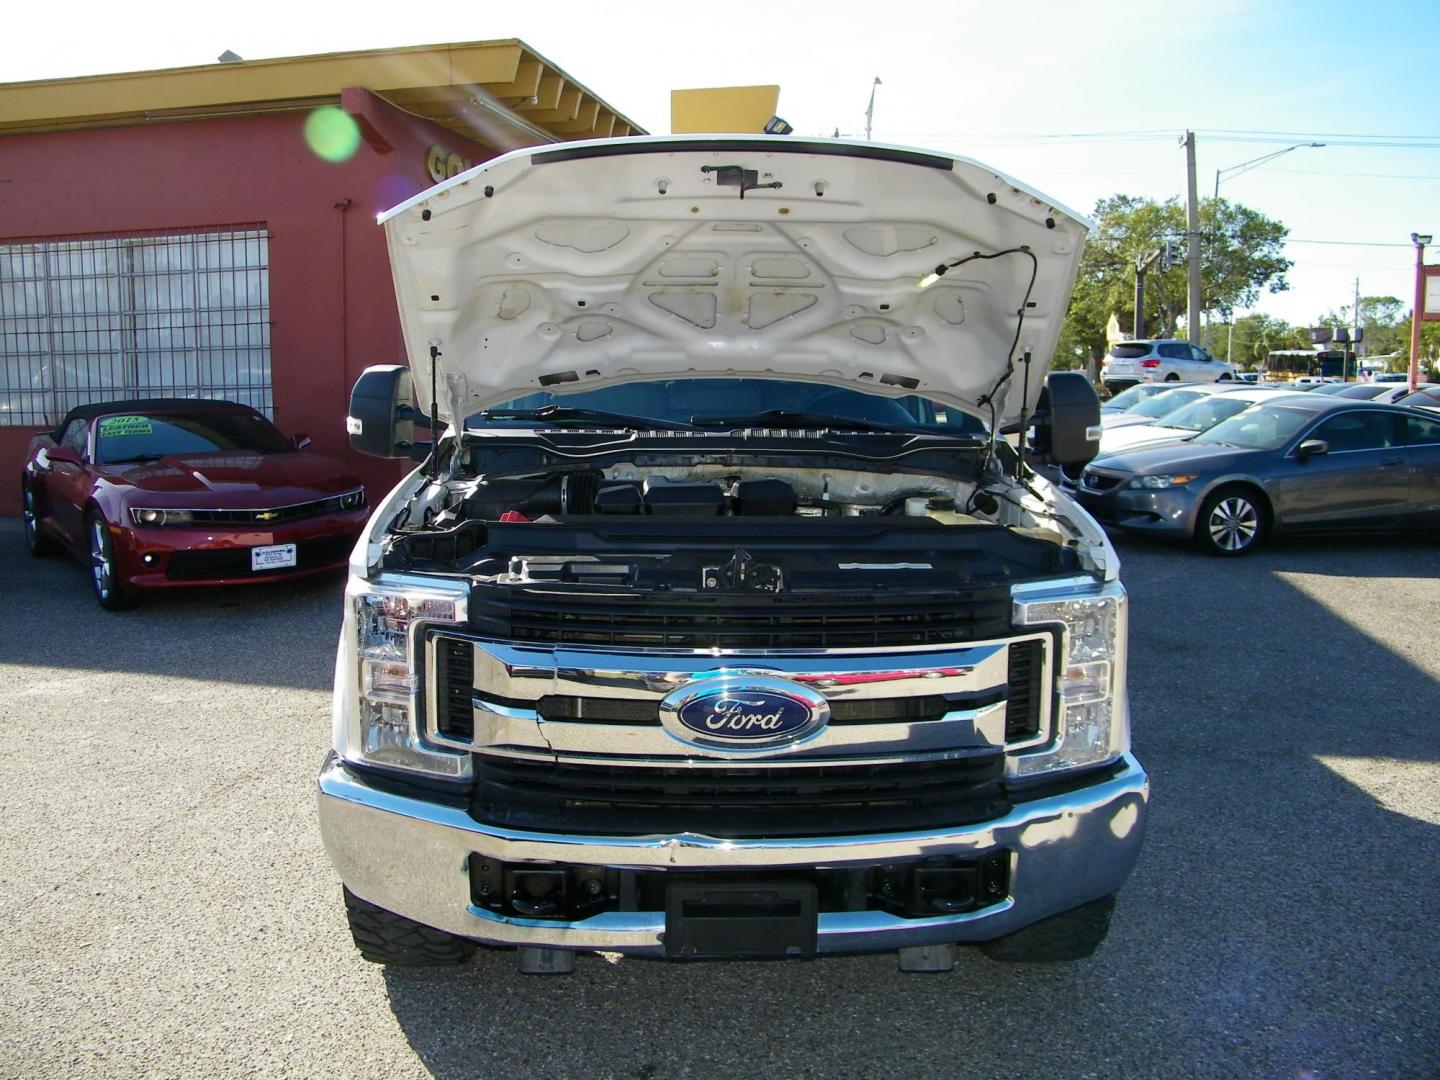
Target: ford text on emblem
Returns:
[738, 712]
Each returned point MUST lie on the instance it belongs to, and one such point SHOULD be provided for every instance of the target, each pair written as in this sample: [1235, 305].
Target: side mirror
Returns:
[63, 455]
[299, 441]
[383, 413]
[1311, 447]
[1067, 420]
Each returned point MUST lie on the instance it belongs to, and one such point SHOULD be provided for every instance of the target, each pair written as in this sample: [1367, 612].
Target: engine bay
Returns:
[732, 528]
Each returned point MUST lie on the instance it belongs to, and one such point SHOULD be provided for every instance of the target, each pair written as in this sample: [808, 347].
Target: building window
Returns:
[158, 315]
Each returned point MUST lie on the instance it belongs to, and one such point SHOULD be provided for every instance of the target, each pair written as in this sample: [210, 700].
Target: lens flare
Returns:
[332, 134]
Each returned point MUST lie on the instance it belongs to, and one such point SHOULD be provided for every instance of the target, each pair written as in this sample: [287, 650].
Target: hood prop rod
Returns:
[434, 412]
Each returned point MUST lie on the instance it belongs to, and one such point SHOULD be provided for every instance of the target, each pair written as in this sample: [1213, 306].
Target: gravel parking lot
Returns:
[168, 909]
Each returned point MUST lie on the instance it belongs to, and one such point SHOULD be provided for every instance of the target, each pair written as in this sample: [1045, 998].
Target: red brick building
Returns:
[211, 231]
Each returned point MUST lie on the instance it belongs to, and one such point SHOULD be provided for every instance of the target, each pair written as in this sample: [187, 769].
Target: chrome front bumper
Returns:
[412, 857]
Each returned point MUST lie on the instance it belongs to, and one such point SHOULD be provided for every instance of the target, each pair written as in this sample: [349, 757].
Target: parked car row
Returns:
[1228, 468]
[163, 492]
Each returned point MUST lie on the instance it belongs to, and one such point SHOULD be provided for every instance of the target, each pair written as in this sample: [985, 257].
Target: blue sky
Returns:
[1041, 90]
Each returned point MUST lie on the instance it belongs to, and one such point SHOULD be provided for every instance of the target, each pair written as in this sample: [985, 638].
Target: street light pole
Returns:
[870, 109]
[1255, 163]
[1419, 241]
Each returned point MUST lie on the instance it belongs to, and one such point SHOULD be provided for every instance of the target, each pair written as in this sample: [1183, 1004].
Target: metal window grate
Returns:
[163, 314]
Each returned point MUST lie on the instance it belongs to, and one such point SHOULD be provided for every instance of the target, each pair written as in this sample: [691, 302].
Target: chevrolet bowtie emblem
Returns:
[267, 515]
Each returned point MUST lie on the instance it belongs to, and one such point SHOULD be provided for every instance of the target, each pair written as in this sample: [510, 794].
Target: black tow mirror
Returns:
[383, 413]
[1312, 447]
[1067, 421]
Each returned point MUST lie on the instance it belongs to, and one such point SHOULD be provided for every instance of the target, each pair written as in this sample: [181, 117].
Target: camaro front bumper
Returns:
[413, 857]
[151, 558]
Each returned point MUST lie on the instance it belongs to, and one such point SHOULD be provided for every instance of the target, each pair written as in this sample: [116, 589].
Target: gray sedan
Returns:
[1298, 465]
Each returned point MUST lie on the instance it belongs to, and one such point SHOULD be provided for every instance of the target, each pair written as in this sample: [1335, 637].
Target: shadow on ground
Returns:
[279, 635]
[1277, 926]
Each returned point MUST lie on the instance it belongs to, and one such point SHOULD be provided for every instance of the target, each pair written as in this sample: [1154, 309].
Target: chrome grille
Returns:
[550, 703]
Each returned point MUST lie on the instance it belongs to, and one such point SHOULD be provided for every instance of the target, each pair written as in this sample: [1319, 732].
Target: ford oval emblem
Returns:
[741, 712]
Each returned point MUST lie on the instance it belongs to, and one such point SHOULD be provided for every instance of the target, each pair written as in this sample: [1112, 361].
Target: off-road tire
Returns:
[1071, 936]
[1248, 514]
[386, 938]
[37, 541]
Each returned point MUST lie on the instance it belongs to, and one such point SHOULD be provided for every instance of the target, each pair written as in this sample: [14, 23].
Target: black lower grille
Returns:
[1027, 669]
[235, 562]
[739, 622]
[737, 802]
[455, 687]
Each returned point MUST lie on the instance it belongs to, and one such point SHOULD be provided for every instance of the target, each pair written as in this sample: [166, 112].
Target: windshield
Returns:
[1267, 427]
[1130, 350]
[1363, 391]
[1206, 413]
[1128, 399]
[1164, 404]
[143, 436]
[683, 401]
[1429, 398]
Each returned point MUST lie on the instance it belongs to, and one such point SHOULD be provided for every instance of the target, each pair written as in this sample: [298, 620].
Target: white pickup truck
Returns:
[720, 620]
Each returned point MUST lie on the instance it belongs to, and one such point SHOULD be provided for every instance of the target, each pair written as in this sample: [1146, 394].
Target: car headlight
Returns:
[154, 518]
[1091, 723]
[1168, 480]
[353, 500]
[377, 685]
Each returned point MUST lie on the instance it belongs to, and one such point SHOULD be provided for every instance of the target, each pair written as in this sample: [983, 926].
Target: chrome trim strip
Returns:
[516, 733]
[412, 857]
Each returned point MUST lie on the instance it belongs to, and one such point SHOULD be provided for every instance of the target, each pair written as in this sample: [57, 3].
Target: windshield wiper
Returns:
[790, 418]
[561, 413]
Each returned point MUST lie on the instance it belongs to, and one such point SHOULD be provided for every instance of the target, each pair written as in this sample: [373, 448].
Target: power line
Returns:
[1375, 175]
[1347, 243]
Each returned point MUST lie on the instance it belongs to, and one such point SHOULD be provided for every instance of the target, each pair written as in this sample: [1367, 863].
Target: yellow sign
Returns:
[442, 164]
[744, 109]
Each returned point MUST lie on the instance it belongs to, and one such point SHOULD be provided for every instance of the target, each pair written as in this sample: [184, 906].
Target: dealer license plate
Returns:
[272, 557]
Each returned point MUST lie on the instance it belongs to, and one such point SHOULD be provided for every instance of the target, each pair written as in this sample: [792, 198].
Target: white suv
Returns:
[1162, 360]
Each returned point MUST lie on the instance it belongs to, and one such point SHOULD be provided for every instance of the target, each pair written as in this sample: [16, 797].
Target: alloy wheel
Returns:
[1234, 523]
[101, 568]
[28, 515]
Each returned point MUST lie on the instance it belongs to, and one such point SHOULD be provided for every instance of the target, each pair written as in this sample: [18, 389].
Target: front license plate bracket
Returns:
[741, 920]
[272, 556]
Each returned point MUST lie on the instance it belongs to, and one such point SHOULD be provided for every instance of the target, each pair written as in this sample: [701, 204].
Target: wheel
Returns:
[109, 593]
[1172, 377]
[1061, 938]
[1224, 378]
[386, 938]
[37, 540]
[1231, 521]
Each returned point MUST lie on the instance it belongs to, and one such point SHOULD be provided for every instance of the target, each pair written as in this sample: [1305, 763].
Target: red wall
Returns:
[332, 304]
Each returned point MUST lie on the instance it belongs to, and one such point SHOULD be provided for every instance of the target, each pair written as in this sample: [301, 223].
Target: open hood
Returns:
[569, 267]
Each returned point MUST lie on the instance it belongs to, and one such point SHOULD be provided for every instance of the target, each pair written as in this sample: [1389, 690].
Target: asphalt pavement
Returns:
[166, 907]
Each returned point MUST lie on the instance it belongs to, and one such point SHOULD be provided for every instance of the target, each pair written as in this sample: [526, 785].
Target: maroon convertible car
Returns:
[162, 492]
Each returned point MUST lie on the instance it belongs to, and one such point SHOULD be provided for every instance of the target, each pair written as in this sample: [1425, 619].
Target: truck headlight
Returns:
[1091, 723]
[377, 686]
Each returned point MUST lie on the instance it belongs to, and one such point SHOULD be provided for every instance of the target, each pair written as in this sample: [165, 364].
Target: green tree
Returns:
[1240, 258]
[1382, 317]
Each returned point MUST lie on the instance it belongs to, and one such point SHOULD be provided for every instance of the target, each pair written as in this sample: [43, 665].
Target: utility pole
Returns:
[1418, 312]
[1143, 264]
[1192, 308]
[870, 109]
